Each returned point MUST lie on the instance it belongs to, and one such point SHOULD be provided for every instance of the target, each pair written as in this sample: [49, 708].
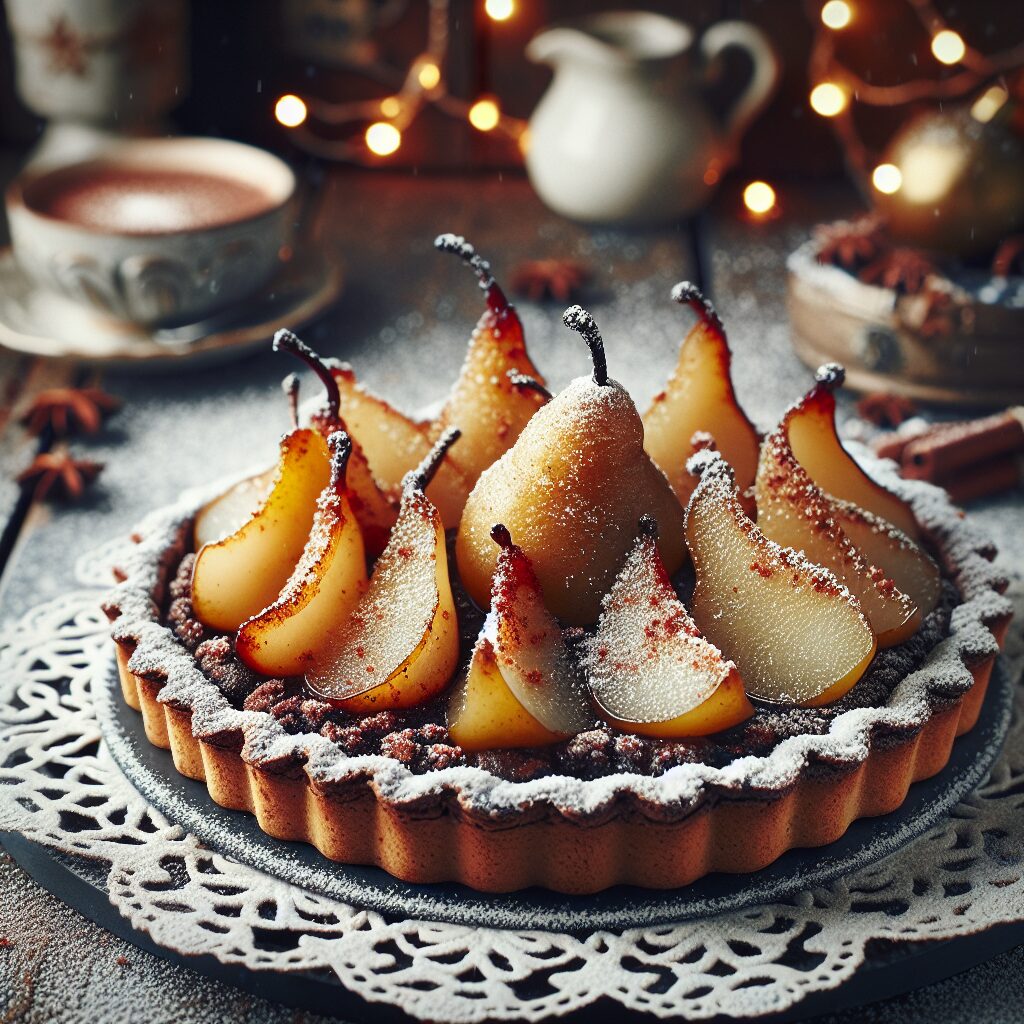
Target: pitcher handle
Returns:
[763, 77]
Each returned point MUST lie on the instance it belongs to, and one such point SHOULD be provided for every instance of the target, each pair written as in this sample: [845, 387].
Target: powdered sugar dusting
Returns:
[567, 491]
[478, 793]
[532, 655]
[793, 511]
[464, 250]
[390, 621]
[647, 661]
[791, 626]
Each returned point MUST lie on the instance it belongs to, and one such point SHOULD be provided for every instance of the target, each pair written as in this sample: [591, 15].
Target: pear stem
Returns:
[421, 476]
[830, 376]
[523, 380]
[285, 341]
[501, 536]
[340, 445]
[290, 386]
[686, 293]
[576, 318]
[648, 527]
[467, 253]
[709, 462]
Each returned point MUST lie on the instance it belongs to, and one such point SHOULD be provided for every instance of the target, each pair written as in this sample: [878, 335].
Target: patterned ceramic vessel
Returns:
[104, 62]
[886, 343]
[167, 276]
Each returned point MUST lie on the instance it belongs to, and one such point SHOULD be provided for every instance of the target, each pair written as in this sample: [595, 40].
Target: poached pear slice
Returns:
[226, 513]
[650, 670]
[699, 398]
[486, 405]
[881, 543]
[394, 444]
[241, 574]
[400, 644]
[816, 446]
[323, 589]
[795, 632]
[794, 512]
[489, 410]
[373, 508]
[523, 687]
[531, 652]
[571, 490]
[484, 714]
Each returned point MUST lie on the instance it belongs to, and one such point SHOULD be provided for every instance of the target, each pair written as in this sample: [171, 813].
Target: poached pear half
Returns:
[571, 491]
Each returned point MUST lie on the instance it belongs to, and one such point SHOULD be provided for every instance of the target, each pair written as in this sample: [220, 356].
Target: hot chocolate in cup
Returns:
[155, 231]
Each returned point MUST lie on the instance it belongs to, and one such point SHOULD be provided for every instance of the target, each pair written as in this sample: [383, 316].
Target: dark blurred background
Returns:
[246, 53]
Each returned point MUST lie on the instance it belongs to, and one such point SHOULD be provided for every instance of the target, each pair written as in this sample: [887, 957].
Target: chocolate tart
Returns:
[440, 819]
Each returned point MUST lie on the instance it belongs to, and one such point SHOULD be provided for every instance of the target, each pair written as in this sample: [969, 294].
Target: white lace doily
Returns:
[61, 789]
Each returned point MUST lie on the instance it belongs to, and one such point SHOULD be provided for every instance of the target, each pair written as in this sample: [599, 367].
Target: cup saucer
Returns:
[41, 323]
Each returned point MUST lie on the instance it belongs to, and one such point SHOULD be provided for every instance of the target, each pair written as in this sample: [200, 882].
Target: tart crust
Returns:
[463, 824]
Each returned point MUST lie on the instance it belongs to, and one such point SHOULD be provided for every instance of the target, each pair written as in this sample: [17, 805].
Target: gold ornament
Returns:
[961, 179]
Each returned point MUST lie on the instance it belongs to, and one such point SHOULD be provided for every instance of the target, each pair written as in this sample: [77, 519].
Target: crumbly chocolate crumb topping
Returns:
[180, 616]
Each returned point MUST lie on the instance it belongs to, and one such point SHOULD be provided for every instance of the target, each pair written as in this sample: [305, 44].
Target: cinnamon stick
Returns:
[987, 478]
[942, 453]
[893, 444]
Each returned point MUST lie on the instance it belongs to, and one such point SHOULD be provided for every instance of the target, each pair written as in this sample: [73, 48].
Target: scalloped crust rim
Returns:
[572, 835]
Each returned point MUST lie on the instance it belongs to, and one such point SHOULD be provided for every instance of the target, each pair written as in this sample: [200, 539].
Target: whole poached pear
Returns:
[571, 491]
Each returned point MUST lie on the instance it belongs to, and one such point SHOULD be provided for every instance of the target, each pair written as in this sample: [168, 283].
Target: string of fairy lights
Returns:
[386, 120]
[835, 91]
[836, 88]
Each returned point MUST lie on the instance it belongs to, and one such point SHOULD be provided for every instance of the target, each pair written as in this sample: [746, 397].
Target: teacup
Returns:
[154, 231]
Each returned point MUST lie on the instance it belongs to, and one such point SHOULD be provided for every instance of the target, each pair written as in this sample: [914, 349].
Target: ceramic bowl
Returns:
[160, 277]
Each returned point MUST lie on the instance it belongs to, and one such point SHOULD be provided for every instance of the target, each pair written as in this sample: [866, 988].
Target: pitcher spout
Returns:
[615, 38]
[557, 44]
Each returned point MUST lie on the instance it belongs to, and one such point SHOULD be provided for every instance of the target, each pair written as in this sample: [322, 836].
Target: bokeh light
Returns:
[887, 178]
[948, 46]
[759, 197]
[989, 103]
[290, 111]
[383, 138]
[500, 10]
[836, 14]
[391, 106]
[429, 75]
[828, 99]
[484, 115]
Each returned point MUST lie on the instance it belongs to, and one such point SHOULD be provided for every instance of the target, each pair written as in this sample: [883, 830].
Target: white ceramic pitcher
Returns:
[623, 134]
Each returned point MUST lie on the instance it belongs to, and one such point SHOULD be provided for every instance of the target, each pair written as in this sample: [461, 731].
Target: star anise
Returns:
[884, 409]
[904, 270]
[850, 244]
[67, 49]
[60, 475]
[1009, 257]
[560, 280]
[67, 410]
[941, 314]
